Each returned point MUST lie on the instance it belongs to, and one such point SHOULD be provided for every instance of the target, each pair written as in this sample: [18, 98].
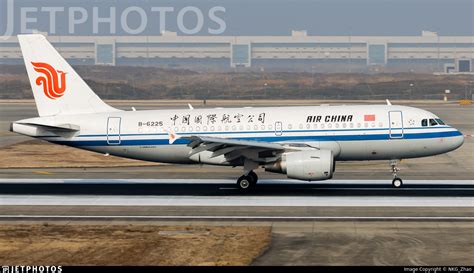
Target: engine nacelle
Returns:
[305, 165]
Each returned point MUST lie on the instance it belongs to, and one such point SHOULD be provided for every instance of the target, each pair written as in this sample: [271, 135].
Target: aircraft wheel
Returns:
[244, 183]
[397, 182]
[253, 178]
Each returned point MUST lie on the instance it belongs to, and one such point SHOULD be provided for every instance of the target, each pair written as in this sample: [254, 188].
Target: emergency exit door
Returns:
[395, 119]
[278, 128]
[113, 131]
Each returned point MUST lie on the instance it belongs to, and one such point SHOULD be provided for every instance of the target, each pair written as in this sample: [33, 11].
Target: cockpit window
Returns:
[424, 123]
[440, 122]
[433, 122]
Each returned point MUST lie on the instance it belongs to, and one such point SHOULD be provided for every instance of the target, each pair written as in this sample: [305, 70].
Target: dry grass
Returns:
[40, 154]
[131, 244]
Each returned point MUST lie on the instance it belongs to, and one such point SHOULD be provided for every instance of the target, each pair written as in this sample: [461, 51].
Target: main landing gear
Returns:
[246, 183]
[396, 182]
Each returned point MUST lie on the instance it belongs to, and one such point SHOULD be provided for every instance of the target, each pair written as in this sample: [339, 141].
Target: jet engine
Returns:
[309, 165]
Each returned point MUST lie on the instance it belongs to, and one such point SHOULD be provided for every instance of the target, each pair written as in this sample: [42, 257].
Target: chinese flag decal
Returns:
[369, 117]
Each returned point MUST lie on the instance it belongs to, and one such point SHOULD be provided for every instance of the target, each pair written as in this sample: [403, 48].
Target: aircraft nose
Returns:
[460, 140]
[456, 141]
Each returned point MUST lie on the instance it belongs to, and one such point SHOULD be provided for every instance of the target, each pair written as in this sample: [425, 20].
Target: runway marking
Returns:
[42, 172]
[230, 217]
[230, 201]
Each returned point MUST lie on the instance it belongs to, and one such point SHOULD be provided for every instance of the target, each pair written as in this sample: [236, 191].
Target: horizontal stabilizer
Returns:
[38, 129]
[56, 128]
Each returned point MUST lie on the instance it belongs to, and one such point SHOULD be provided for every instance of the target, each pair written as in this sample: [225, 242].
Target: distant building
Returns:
[426, 53]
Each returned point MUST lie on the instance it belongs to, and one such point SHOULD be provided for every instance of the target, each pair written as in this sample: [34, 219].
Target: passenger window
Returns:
[308, 126]
[301, 126]
[322, 126]
[336, 125]
[433, 122]
[315, 126]
[290, 126]
[424, 123]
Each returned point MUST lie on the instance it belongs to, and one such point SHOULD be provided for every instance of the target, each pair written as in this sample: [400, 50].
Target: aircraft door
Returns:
[278, 128]
[113, 130]
[395, 119]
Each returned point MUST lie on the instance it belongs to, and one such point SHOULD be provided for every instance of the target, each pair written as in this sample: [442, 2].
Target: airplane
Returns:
[303, 142]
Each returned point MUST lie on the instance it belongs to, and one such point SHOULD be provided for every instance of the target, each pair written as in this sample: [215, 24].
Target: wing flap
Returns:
[234, 142]
[230, 149]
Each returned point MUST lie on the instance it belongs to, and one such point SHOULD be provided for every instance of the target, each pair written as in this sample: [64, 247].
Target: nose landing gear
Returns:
[396, 182]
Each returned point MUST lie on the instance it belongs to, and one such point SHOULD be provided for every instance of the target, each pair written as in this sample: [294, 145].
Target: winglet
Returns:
[388, 102]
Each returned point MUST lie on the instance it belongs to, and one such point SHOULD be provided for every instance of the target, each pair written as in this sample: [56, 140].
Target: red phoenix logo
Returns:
[53, 87]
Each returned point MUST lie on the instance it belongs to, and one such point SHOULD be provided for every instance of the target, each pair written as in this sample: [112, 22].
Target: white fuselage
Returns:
[369, 132]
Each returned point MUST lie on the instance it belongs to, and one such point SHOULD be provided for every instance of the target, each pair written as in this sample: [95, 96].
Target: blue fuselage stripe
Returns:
[283, 131]
[358, 137]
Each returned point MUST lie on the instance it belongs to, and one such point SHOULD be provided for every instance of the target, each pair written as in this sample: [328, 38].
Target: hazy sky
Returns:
[268, 17]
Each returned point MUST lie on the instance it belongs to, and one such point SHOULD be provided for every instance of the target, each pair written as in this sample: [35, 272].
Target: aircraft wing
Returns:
[233, 149]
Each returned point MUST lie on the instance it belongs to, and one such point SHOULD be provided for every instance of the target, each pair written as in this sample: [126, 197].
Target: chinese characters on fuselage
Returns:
[210, 119]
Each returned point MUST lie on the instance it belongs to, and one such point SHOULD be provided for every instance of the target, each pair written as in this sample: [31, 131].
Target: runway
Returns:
[205, 199]
[292, 189]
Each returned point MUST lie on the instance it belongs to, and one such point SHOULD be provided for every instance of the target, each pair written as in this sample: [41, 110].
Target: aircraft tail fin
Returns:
[57, 88]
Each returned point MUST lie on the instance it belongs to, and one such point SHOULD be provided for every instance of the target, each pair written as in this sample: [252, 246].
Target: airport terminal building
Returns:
[427, 53]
